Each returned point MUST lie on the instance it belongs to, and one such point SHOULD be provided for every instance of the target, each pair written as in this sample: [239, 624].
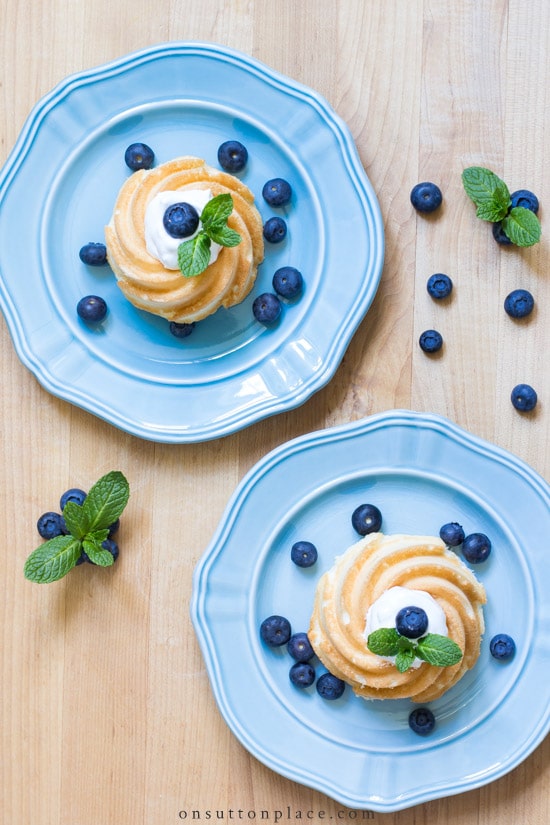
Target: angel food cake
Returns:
[143, 240]
[368, 586]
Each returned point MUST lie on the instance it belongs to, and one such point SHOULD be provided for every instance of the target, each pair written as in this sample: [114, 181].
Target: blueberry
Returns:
[411, 622]
[526, 199]
[452, 534]
[111, 545]
[288, 282]
[275, 230]
[83, 558]
[431, 340]
[139, 156]
[439, 285]
[524, 398]
[181, 330]
[232, 156]
[366, 519]
[277, 192]
[422, 721]
[300, 647]
[181, 220]
[519, 303]
[275, 631]
[476, 548]
[500, 235]
[50, 525]
[113, 528]
[303, 553]
[266, 308]
[502, 646]
[426, 197]
[75, 494]
[302, 674]
[330, 687]
[93, 254]
[92, 309]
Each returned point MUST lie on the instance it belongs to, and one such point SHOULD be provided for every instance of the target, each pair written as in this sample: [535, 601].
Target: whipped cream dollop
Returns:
[159, 243]
[383, 611]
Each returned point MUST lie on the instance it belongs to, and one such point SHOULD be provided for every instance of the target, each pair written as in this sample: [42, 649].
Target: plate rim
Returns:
[361, 427]
[230, 419]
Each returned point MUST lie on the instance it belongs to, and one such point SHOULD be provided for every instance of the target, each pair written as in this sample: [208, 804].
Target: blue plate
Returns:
[57, 191]
[421, 471]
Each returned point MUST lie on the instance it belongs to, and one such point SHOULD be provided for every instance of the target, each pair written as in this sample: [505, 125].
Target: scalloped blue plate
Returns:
[57, 191]
[421, 471]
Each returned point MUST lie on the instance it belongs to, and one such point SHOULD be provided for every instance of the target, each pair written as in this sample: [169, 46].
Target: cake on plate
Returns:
[366, 588]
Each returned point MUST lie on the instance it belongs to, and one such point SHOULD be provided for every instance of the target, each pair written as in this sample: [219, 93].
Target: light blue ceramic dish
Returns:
[57, 191]
[422, 471]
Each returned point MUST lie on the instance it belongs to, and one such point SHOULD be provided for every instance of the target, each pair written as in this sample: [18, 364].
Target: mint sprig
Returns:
[493, 202]
[432, 648]
[194, 254]
[88, 525]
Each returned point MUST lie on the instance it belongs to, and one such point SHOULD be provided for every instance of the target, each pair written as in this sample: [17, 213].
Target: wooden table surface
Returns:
[107, 713]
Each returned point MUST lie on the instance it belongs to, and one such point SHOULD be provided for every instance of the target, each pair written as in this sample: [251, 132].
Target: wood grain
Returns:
[107, 715]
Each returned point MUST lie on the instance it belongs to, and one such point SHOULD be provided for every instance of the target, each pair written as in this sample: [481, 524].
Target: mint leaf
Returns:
[53, 559]
[96, 553]
[522, 226]
[216, 212]
[225, 236]
[105, 501]
[438, 650]
[489, 193]
[76, 519]
[194, 255]
[404, 659]
[89, 525]
[384, 642]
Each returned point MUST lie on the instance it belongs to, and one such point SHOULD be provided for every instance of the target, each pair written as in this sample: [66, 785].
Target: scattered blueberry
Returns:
[476, 548]
[519, 303]
[92, 309]
[426, 197]
[502, 646]
[439, 285]
[83, 558]
[302, 674]
[366, 519]
[524, 398]
[431, 340]
[275, 230]
[139, 156]
[300, 647]
[303, 553]
[232, 156]
[93, 254]
[422, 721]
[452, 534]
[275, 631]
[75, 494]
[411, 622]
[50, 525]
[500, 235]
[181, 330]
[277, 192]
[330, 687]
[266, 308]
[181, 220]
[114, 528]
[288, 282]
[525, 198]
[111, 545]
